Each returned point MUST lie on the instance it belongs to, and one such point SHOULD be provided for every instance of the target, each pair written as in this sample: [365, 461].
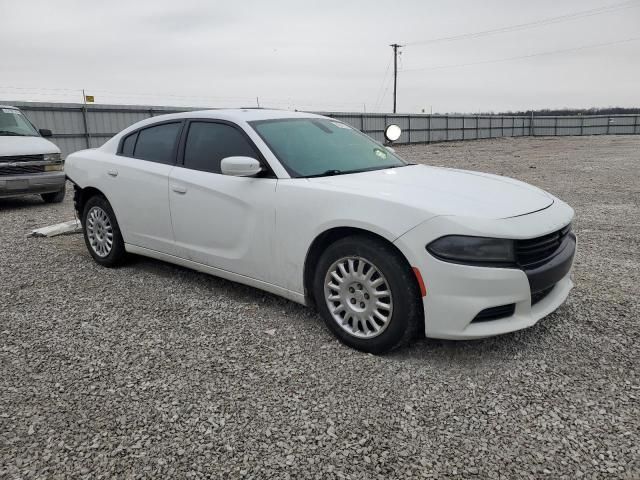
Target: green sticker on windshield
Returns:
[380, 153]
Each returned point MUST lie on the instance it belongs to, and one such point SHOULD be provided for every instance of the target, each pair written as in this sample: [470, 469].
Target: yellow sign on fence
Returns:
[89, 98]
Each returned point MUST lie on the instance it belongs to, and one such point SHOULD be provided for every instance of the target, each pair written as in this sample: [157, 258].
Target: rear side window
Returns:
[208, 143]
[128, 145]
[157, 144]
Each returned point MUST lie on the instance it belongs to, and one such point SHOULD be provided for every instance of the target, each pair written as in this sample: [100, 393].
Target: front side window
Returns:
[14, 124]
[208, 143]
[156, 144]
[311, 147]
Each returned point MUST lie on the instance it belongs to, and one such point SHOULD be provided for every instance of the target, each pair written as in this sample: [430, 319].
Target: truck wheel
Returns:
[54, 197]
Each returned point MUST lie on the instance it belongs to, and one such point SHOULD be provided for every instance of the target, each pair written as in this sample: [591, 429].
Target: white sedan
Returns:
[309, 208]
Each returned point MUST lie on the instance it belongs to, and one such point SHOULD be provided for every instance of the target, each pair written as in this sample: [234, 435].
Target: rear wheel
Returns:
[54, 197]
[367, 294]
[102, 233]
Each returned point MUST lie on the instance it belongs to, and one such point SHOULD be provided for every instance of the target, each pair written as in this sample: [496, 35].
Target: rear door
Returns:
[136, 185]
[219, 220]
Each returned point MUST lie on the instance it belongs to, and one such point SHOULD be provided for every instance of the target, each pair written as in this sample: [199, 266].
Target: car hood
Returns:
[445, 191]
[10, 145]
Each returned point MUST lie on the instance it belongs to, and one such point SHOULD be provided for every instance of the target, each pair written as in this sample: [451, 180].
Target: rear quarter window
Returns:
[155, 144]
[128, 145]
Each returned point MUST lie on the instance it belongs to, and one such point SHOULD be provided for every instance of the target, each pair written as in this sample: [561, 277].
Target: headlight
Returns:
[474, 250]
[51, 157]
[58, 167]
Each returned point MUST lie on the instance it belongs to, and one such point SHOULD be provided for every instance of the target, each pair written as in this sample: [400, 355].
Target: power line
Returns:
[498, 60]
[384, 94]
[537, 23]
[380, 90]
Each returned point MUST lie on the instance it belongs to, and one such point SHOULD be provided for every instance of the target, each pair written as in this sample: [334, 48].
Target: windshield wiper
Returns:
[326, 173]
[7, 132]
[329, 173]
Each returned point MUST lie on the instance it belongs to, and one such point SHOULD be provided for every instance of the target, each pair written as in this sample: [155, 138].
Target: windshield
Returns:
[13, 123]
[310, 147]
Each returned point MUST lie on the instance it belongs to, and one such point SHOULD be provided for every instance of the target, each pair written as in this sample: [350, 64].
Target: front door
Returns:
[219, 220]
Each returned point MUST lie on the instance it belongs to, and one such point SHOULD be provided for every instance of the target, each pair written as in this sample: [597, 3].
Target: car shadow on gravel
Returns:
[452, 353]
[234, 290]
[17, 203]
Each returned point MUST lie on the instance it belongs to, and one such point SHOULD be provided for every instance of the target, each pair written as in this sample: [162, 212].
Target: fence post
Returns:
[555, 127]
[446, 128]
[477, 127]
[151, 113]
[581, 125]
[608, 125]
[463, 127]
[87, 135]
[635, 125]
[386, 122]
[532, 132]
[362, 122]
[502, 126]
[429, 129]
[409, 129]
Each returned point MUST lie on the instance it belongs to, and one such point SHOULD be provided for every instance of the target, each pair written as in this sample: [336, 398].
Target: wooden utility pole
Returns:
[395, 47]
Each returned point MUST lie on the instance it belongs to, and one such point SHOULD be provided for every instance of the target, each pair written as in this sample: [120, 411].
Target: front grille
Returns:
[495, 313]
[536, 251]
[21, 158]
[21, 170]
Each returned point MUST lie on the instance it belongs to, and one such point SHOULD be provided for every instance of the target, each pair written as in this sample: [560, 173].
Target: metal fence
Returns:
[76, 127]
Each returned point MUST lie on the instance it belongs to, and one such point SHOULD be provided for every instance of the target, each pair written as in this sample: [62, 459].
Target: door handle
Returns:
[113, 173]
[179, 189]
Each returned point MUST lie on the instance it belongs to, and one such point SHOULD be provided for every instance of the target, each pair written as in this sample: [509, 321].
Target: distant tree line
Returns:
[576, 111]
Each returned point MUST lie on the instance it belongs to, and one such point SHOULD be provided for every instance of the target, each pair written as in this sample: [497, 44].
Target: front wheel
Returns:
[102, 233]
[367, 294]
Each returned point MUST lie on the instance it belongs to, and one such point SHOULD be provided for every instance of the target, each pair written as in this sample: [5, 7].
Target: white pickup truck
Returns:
[29, 163]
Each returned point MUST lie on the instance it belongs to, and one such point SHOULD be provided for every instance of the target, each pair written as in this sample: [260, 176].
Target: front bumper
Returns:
[456, 294]
[36, 183]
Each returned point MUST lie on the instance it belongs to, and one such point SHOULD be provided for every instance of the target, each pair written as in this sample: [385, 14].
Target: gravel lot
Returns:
[153, 370]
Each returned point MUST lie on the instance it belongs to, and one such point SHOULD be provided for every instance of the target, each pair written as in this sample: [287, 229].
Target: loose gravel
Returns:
[152, 370]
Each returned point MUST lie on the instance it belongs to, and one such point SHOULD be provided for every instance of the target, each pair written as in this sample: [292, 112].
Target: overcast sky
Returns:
[320, 55]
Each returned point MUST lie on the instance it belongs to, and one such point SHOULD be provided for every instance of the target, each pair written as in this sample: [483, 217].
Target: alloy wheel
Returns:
[99, 231]
[358, 297]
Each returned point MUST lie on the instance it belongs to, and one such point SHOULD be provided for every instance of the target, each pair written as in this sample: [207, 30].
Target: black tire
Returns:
[117, 253]
[406, 316]
[54, 197]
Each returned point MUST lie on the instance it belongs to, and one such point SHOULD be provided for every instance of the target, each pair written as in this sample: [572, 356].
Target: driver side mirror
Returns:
[45, 132]
[240, 166]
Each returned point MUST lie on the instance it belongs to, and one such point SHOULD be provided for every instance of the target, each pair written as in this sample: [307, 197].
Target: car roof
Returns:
[234, 115]
[240, 114]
